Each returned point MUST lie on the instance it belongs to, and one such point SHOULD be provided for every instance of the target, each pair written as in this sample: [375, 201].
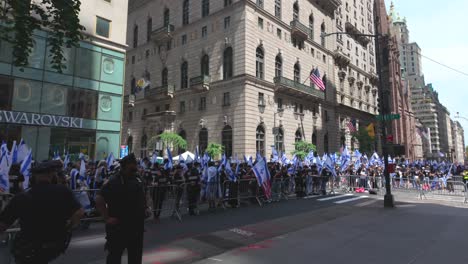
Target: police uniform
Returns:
[192, 177]
[300, 183]
[161, 182]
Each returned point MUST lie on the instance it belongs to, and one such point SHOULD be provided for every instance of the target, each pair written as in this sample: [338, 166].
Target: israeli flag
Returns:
[23, 150]
[330, 165]
[229, 172]
[25, 169]
[110, 160]
[285, 159]
[14, 153]
[274, 154]
[310, 156]
[169, 164]
[73, 175]
[66, 161]
[263, 176]
[4, 173]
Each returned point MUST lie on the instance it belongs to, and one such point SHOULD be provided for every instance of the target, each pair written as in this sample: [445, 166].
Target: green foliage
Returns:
[21, 17]
[302, 148]
[366, 143]
[169, 139]
[214, 150]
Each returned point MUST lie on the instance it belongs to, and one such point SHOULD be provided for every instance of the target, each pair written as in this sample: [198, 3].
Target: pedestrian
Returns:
[46, 214]
[122, 204]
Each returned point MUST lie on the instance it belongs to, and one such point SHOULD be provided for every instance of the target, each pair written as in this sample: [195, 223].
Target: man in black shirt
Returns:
[46, 213]
[122, 204]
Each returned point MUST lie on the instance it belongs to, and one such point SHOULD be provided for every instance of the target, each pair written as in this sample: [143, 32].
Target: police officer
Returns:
[465, 177]
[122, 204]
[46, 214]
[192, 177]
[161, 182]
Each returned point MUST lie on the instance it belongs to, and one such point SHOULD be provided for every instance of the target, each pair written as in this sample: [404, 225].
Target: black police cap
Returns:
[44, 167]
[130, 158]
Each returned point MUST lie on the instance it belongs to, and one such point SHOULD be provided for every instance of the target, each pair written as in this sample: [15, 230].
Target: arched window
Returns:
[203, 139]
[260, 140]
[184, 75]
[183, 135]
[205, 8]
[297, 72]
[130, 144]
[205, 65]
[226, 140]
[227, 63]
[135, 36]
[164, 76]
[311, 26]
[149, 29]
[325, 143]
[314, 139]
[298, 135]
[279, 140]
[343, 140]
[143, 146]
[322, 29]
[166, 17]
[278, 66]
[185, 12]
[296, 11]
[259, 63]
[133, 85]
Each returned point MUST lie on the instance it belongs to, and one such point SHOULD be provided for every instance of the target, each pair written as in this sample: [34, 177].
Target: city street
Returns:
[338, 229]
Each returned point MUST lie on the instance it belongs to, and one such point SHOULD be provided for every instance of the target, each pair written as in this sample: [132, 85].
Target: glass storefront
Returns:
[78, 110]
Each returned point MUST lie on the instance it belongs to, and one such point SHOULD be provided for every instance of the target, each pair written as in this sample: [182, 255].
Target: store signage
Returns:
[123, 151]
[40, 119]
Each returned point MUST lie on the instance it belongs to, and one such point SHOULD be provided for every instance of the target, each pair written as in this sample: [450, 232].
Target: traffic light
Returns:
[378, 106]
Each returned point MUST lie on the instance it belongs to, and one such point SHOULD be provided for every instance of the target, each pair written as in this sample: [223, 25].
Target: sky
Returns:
[440, 30]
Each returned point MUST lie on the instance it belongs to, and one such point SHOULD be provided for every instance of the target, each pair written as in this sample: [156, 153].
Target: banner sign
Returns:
[123, 151]
[40, 119]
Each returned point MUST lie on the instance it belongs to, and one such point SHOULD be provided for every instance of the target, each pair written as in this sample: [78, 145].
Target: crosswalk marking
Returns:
[351, 199]
[334, 197]
[366, 203]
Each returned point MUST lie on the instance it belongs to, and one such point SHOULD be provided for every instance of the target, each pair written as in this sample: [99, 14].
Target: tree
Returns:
[169, 139]
[21, 17]
[366, 142]
[214, 150]
[302, 149]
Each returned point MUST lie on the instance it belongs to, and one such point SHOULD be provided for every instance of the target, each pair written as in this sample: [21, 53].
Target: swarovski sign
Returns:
[40, 119]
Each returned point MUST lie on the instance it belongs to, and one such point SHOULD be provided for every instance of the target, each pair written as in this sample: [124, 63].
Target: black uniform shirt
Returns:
[126, 201]
[43, 211]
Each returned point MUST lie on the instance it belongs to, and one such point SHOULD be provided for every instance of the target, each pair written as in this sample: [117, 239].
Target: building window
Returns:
[296, 11]
[259, 63]
[278, 9]
[227, 64]
[226, 140]
[184, 75]
[130, 117]
[203, 139]
[227, 3]
[261, 99]
[325, 143]
[102, 27]
[226, 99]
[280, 104]
[260, 140]
[311, 27]
[185, 12]
[227, 22]
[260, 23]
[278, 33]
[322, 28]
[205, 65]
[149, 29]
[278, 66]
[297, 72]
[202, 105]
[164, 77]
[205, 8]
[204, 32]
[279, 140]
[298, 135]
[184, 39]
[314, 139]
[135, 36]
[166, 17]
[260, 3]
[182, 107]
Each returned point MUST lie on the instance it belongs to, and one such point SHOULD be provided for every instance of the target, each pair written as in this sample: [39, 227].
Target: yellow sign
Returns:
[141, 83]
[371, 130]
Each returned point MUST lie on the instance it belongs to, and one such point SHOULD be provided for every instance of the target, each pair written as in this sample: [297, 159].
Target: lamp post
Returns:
[388, 198]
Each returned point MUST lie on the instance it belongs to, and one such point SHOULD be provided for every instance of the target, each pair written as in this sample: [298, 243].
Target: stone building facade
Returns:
[237, 73]
[458, 139]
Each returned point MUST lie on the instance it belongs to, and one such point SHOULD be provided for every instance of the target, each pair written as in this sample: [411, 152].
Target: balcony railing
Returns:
[299, 30]
[200, 83]
[351, 29]
[160, 93]
[296, 89]
[328, 5]
[162, 34]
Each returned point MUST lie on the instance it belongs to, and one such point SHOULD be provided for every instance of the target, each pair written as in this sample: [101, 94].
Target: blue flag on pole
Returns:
[25, 169]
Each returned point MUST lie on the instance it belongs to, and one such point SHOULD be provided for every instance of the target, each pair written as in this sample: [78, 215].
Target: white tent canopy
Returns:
[185, 155]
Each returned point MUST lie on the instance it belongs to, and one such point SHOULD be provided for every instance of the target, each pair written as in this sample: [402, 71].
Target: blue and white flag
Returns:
[284, 159]
[330, 165]
[4, 173]
[25, 169]
[169, 163]
[14, 154]
[310, 157]
[229, 172]
[82, 169]
[263, 176]
[56, 155]
[110, 160]
[258, 157]
[74, 173]
[197, 154]
[66, 160]
[23, 150]
[274, 153]
[357, 154]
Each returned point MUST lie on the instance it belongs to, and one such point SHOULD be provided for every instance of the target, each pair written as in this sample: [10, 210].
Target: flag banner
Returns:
[315, 78]
[263, 176]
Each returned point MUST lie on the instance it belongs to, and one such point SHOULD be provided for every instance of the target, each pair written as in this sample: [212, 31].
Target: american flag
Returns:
[352, 126]
[315, 78]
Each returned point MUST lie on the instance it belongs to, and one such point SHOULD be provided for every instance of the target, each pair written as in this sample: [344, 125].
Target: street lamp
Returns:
[388, 198]
[460, 117]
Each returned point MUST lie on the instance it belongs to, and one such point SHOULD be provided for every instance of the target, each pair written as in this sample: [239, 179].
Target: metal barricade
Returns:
[250, 191]
[165, 200]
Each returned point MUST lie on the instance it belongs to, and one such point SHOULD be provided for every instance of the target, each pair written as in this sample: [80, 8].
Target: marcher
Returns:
[46, 214]
[122, 204]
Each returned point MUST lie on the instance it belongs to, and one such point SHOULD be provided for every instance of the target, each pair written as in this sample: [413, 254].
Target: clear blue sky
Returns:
[440, 29]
